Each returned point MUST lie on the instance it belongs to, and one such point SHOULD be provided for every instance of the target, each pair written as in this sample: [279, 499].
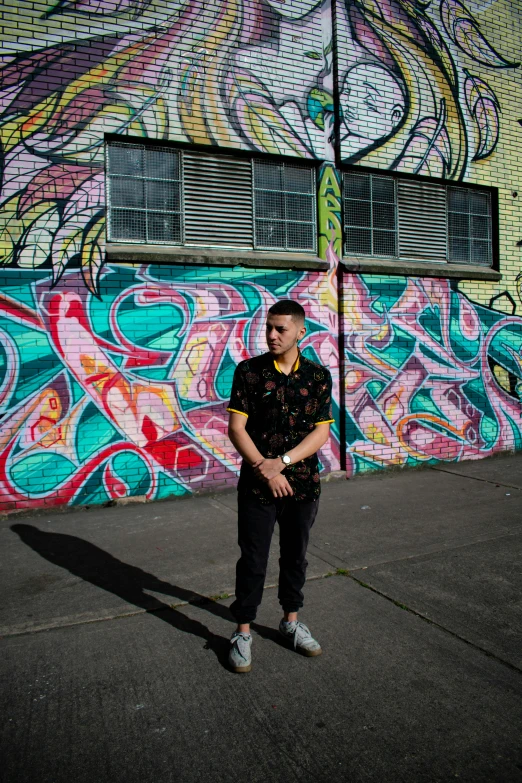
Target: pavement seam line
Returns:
[452, 548]
[477, 478]
[201, 602]
[212, 501]
[434, 623]
[10, 634]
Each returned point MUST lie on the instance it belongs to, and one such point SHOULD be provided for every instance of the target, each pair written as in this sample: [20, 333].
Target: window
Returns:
[162, 195]
[144, 186]
[416, 220]
[469, 226]
[370, 220]
[284, 197]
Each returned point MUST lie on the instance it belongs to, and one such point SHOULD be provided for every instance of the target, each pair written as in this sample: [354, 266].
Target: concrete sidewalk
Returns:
[114, 663]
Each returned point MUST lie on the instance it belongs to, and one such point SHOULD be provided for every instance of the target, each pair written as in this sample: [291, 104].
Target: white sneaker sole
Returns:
[240, 669]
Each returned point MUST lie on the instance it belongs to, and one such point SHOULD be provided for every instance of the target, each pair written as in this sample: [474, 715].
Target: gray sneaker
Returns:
[300, 637]
[240, 655]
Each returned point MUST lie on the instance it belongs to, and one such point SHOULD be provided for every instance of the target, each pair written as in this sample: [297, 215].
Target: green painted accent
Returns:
[489, 431]
[143, 325]
[94, 431]
[116, 358]
[310, 354]
[421, 402]
[167, 487]
[329, 210]
[430, 321]
[364, 465]
[375, 388]
[225, 376]
[353, 432]
[506, 339]
[318, 103]
[517, 436]
[398, 350]
[465, 349]
[431, 355]
[76, 390]
[33, 383]
[93, 491]
[385, 291]
[41, 472]
[134, 470]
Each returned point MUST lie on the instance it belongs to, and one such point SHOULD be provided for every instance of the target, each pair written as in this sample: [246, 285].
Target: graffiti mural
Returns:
[114, 378]
[413, 96]
[422, 104]
[425, 374]
[125, 394]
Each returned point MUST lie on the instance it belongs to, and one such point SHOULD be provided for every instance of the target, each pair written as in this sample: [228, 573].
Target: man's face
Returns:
[282, 333]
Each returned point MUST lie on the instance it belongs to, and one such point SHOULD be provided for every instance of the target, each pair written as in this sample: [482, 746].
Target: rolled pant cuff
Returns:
[241, 619]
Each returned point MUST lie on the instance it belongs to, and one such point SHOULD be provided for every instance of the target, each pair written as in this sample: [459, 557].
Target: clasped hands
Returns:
[269, 470]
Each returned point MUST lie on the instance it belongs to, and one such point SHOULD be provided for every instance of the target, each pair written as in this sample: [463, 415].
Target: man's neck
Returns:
[286, 361]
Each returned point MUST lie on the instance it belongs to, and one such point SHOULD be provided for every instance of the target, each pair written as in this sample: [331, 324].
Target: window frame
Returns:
[310, 164]
[313, 197]
[470, 237]
[372, 175]
[145, 210]
[404, 261]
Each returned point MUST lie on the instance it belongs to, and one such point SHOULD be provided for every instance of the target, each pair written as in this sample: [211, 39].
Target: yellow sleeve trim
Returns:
[233, 410]
[329, 421]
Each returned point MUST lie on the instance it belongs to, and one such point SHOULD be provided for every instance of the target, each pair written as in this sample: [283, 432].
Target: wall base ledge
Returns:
[165, 254]
[419, 269]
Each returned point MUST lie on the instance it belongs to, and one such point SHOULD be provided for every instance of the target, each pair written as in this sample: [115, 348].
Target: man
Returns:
[280, 415]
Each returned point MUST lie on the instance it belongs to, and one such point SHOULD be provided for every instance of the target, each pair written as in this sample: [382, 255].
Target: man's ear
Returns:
[302, 332]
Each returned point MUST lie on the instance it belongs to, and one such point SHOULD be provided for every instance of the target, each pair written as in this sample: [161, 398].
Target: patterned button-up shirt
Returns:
[282, 410]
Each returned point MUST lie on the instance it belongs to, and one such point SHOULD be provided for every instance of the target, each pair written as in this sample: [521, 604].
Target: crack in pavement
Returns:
[339, 562]
[8, 633]
[475, 478]
[441, 627]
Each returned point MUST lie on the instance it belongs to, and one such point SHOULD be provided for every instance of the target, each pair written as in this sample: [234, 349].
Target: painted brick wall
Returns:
[114, 378]
[432, 368]
[124, 393]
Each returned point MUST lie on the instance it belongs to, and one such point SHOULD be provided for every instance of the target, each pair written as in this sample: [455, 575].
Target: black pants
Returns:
[256, 523]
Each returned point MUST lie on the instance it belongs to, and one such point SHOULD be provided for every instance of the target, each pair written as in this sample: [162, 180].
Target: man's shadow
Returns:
[128, 582]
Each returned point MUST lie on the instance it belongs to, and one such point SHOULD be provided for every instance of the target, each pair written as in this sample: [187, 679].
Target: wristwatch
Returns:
[286, 459]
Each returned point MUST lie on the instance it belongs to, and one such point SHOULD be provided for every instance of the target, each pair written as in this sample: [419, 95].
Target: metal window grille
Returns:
[469, 226]
[284, 206]
[144, 194]
[161, 195]
[422, 220]
[217, 200]
[370, 215]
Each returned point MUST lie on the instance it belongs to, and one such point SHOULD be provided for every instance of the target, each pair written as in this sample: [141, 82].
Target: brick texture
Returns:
[114, 378]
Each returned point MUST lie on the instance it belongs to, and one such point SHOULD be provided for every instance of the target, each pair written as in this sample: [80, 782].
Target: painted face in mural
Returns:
[283, 334]
[372, 103]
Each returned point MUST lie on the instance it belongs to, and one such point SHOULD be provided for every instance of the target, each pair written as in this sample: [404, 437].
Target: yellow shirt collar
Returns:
[294, 368]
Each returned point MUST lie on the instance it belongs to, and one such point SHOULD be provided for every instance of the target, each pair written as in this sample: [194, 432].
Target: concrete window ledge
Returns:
[378, 266]
[172, 254]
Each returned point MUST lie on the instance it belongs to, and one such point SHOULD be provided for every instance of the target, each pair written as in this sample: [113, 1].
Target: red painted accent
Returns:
[149, 429]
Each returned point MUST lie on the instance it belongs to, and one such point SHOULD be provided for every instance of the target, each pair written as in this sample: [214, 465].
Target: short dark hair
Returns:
[288, 307]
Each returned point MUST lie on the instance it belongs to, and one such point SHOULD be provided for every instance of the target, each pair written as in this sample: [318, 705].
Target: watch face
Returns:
[286, 459]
